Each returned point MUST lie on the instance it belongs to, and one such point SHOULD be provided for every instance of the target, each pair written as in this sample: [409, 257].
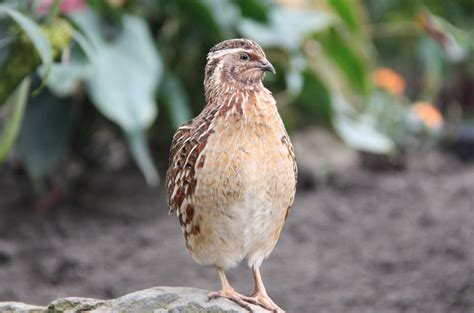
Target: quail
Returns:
[232, 171]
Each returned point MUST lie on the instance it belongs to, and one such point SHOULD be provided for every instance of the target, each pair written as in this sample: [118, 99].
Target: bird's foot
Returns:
[263, 300]
[231, 294]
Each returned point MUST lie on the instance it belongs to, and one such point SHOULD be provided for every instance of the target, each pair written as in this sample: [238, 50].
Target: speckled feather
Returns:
[232, 173]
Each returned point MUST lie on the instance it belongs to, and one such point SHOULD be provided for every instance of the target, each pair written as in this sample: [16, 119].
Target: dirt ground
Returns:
[358, 242]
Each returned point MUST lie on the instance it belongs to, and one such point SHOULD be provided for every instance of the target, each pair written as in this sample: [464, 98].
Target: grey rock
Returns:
[10, 307]
[156, 300]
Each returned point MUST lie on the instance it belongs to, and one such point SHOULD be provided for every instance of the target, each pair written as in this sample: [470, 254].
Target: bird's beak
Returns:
[267, 66]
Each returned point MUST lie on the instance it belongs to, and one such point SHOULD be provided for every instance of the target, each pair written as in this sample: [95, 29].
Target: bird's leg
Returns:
[260, 295]
[229, 293]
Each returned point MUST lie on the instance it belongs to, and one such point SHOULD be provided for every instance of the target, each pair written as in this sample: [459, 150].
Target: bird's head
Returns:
[236, 61]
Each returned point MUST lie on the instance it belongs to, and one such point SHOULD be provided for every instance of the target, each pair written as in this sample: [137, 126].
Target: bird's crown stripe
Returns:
[220, 53]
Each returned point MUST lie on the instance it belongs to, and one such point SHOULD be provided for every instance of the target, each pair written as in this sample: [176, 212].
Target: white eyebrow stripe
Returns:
[219, 53]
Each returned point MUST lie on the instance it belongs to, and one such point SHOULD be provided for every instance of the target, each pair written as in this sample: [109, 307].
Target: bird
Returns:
[232, 171]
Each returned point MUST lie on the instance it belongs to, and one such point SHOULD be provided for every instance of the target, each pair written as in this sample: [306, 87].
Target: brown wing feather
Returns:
[186, 148]
[185, 158]
[291, 154]
[178, 154]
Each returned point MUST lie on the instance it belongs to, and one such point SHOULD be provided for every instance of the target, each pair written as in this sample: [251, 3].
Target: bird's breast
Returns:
[246, 160]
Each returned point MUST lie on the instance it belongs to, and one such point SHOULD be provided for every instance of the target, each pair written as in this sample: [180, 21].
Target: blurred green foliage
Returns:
[126, 60]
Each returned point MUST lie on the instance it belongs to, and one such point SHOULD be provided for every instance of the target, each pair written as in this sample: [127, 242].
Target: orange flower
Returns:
[428, 114]
[389, 80]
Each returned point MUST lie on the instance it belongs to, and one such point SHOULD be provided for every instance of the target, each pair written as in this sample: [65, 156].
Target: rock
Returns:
[7, 307]
[157, 300]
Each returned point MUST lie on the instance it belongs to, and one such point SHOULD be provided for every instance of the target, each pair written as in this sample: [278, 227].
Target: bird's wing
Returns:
[178, 154]
[185, 157]
[291, 151]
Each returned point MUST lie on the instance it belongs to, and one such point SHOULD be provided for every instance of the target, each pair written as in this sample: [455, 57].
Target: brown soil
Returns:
[360, 242]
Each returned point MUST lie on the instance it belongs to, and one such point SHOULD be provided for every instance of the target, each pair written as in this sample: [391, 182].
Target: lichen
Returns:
[75, 304]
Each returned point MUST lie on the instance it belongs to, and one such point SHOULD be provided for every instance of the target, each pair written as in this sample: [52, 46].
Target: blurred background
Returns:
[377, 95]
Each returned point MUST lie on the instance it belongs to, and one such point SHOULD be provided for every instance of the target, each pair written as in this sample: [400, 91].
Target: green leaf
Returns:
[54, 10]
[36, 35]
[315, 97]
[13, 123]
[19, 61]
[433, 58]
[286, 29]
[122, 91]
[174, 96]
[84, 44]
[65, 78]
[362, 136]
[125, 72]
[90, 27]
[212, 19]
[224, 12]
[347, 10]
[124, 75]
[257, 10]
[359, 130]
[294, 76]
[455, 42]
[44, 136]
[5, 42]
[341, 51]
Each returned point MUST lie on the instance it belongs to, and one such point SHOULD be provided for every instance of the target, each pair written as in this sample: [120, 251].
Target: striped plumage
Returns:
[232, 173]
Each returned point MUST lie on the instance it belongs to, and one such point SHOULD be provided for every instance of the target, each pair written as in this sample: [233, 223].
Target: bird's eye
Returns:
[244, 57]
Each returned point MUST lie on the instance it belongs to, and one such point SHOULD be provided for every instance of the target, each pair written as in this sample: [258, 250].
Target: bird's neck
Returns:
[219, 94]
[249, 105]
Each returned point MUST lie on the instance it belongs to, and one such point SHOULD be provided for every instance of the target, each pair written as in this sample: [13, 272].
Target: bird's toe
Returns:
[233, 295]
[265, 302]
